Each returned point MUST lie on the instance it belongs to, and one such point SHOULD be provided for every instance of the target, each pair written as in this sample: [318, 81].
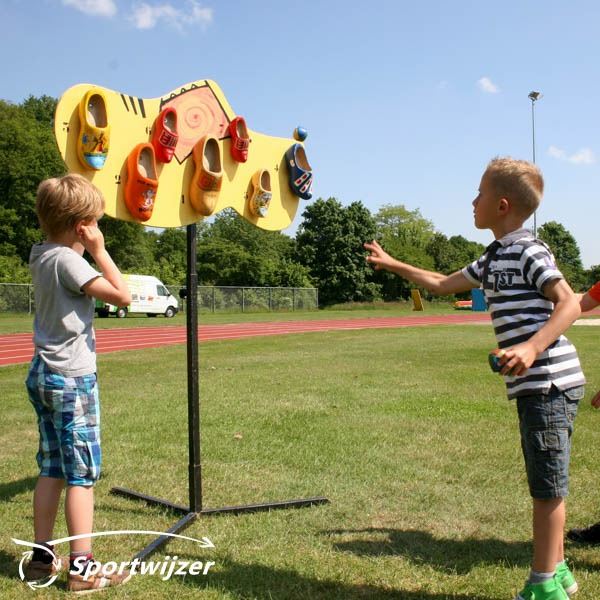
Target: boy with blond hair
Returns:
[531, 306]
[62, 383]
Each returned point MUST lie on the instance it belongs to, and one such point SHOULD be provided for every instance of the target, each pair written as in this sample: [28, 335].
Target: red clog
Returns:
[164, 135]
[208, 176]
[240, 140]
[142, 182]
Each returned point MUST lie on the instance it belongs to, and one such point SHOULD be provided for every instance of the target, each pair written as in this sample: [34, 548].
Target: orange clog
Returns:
[208, 176]
[94, 130]
[142, 182]
[164, 135]
[261, 193]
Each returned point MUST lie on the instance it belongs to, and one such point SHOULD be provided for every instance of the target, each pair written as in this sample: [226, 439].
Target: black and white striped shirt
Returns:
[515, 269]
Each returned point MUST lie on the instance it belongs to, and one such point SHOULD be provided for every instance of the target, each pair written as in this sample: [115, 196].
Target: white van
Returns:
[148, 295]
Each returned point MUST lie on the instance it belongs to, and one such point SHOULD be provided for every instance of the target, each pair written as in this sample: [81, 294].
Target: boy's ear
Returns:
[78, 227]
[504, 205]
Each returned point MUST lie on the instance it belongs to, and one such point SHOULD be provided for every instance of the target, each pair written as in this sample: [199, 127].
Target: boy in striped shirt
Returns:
[531, 306]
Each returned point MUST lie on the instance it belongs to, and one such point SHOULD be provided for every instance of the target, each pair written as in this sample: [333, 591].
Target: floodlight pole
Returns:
[533, 96]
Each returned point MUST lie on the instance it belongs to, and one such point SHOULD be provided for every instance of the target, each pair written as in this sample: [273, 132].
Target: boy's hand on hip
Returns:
[518, 359]
[92, 239]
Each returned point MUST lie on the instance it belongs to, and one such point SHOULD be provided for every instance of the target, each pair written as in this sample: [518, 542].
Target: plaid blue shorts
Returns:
[68, 412]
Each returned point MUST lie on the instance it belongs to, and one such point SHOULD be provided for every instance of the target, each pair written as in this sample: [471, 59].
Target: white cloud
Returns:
[585, 156]
[147, 16]
[486, 85]
[94, 8]
[555, 152]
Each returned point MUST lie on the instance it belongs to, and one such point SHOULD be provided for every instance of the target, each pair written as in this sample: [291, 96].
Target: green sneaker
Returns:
[564, 575]
[548, 590]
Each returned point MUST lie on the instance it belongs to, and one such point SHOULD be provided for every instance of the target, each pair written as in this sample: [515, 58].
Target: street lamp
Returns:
[534, 97]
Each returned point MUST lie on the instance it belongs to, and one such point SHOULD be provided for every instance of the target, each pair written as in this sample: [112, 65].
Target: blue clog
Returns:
[299, 171]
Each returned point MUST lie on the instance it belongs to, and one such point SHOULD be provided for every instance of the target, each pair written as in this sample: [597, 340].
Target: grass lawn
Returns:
[407, 432]
[23, 323]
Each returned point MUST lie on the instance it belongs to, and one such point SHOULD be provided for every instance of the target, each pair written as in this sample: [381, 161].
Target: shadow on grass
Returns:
[14, 488]
[9, 565]
[584, 557]
[452, 556]
[261, 582]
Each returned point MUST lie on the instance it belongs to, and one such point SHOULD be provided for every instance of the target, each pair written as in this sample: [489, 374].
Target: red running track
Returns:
[18, 348]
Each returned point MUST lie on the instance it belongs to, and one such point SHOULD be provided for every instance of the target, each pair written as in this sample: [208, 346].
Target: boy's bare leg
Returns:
[46, 498]
[560, 551]
[548, 530]
[79, 512]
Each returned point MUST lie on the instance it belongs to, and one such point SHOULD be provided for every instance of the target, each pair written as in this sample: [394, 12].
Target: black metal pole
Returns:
[195, 468]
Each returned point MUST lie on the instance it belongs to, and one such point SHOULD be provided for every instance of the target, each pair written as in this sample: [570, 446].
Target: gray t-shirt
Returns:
[62, 330]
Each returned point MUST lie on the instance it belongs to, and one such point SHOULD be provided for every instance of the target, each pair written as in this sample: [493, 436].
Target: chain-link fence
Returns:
[18, 297]
[256, 299]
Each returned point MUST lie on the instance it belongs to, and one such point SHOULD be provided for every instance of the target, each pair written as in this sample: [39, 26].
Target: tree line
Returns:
[326, 251]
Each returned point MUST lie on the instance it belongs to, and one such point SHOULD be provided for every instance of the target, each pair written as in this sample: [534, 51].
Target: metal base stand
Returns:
[190, 513]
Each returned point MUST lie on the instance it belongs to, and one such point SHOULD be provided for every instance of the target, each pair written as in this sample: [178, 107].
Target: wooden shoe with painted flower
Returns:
[94, 129]
[164, 135]
[240, 140]
[142, 182]
[261, 194]
[208, 175]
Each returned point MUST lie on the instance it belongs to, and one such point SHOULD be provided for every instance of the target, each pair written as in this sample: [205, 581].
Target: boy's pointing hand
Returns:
[378, 258]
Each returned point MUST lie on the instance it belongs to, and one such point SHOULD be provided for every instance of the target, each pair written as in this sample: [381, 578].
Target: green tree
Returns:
[232, 251]
[592, 276]
[42, 109]
[28, 154]
[292, 274]
[229, 226]
[171, 244]
[170, 256]
[13, 270]
[406, 235]
[330, 244]
[454, 253]
[566, 251]
[129, 245]
[221, 262]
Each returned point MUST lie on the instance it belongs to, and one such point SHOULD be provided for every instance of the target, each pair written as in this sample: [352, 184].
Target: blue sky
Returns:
[405, 102]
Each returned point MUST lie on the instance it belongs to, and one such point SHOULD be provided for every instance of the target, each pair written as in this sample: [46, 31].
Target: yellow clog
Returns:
[260, 199]
[94, 130]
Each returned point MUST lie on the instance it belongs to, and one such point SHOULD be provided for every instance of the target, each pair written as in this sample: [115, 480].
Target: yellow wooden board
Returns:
[201, 109]
[417, 300]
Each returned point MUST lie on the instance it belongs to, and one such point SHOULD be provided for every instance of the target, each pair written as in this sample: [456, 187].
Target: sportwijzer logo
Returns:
[172, 565]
